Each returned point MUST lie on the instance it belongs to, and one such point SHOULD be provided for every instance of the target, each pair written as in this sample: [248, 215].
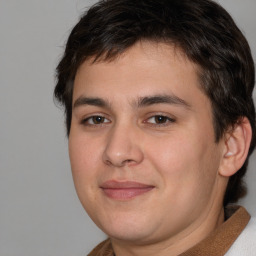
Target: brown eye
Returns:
[160, 120]
[95, 120]
[98, 119]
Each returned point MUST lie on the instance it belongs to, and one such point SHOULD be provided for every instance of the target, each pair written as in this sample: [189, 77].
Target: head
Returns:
[201, 29]
[159, 115]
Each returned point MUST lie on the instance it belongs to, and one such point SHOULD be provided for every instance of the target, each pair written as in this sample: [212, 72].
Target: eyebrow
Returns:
[98, 102]
[162, 99]
[141, 102]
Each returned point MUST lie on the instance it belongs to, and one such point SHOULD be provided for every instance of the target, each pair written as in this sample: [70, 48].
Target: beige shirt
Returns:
[216, 244]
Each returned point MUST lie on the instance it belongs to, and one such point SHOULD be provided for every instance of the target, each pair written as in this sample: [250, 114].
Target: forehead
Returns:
[145, 68]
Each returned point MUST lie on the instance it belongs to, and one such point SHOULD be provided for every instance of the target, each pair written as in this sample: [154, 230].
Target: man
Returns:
[161, 122]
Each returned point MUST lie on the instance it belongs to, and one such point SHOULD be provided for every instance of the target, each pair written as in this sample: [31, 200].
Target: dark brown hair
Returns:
[202, 29]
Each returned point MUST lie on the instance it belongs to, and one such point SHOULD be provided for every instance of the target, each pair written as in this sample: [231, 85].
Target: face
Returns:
[142, 146]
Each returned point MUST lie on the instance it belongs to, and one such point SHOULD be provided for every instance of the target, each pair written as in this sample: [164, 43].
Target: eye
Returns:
[160, 120]
[95, 120]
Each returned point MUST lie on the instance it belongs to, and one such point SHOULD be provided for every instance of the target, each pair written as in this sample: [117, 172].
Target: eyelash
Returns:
[87, 120]
[167, 121]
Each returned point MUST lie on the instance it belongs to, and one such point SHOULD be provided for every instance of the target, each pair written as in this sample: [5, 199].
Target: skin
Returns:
[168, 145]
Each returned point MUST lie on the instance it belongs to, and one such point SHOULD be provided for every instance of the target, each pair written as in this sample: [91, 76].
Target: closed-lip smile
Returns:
[124, 190]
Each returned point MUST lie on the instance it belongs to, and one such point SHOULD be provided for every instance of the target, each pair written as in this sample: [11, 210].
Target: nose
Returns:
[123, 147]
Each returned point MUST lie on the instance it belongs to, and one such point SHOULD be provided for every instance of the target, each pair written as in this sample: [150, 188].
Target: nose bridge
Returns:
[123, 145]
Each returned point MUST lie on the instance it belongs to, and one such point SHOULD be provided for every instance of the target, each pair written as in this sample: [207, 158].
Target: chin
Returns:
[129, 229]
[130, 236]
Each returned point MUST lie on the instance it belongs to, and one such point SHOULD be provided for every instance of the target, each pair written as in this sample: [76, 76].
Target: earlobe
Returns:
[237, 143]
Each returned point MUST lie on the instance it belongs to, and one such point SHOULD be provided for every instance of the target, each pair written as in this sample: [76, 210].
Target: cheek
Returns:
[183, 160]
[84, 158]
[171, 153]
[187, 174]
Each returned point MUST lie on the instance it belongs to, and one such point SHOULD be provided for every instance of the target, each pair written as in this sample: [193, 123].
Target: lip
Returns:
[124, 190]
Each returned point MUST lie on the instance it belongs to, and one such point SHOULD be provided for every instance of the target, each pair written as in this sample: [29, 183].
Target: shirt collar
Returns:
[221, 239]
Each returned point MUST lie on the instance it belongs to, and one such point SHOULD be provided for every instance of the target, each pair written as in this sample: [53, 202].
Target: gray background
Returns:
[40, 214]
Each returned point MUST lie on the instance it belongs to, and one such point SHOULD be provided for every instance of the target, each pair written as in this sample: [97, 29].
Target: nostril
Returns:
[128, 162]
[120, 164]
[108, 162]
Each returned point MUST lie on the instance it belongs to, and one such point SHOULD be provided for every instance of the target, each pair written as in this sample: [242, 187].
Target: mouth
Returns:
[123, 191]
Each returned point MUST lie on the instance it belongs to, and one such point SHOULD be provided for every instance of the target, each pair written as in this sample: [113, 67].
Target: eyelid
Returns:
[170, 119]
[84, 120]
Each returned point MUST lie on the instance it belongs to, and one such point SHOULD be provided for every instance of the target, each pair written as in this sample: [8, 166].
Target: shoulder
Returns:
[245, 244]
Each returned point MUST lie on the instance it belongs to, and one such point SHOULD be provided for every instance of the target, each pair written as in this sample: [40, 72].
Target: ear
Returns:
[237, 143]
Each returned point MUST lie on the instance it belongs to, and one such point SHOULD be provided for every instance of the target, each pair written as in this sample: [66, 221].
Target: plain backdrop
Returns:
[40, 214]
